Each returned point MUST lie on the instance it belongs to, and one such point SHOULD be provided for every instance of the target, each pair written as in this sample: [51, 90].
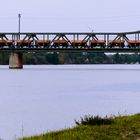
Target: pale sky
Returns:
[70, 15]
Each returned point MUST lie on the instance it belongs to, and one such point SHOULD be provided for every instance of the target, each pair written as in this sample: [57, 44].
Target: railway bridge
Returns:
[18, 43]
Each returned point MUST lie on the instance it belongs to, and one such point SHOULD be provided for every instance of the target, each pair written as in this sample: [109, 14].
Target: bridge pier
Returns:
[16, 60]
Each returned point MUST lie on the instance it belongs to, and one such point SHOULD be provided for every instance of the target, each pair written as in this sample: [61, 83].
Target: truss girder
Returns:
[69, 41]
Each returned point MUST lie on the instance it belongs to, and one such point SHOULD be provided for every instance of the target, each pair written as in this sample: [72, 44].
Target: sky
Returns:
[70, 15]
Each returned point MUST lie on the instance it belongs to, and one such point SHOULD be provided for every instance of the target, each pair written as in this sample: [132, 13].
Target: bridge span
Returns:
[18, 43]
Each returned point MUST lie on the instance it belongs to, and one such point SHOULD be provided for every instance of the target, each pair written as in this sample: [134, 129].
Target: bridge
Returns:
[18, 43]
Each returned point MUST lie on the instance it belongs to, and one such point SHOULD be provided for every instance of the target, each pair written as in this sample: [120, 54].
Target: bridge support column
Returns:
[15, 60]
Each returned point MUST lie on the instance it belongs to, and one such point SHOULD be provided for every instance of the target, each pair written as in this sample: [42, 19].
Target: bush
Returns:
[95, 120]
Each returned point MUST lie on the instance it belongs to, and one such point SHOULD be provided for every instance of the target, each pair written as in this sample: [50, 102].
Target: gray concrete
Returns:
[16, 61]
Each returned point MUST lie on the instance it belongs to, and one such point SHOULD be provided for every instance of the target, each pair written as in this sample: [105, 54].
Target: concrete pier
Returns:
[16, 60]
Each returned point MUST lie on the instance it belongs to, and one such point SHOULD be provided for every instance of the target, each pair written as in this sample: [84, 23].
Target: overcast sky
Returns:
[70, 15]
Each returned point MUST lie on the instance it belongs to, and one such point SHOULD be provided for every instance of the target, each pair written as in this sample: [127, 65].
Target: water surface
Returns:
[43, 98]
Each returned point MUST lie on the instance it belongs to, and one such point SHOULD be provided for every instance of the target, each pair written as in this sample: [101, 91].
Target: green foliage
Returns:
[4, 58]
[122, 128]
[95, 120]
[73, 58]
[79, 58]
[117, 58]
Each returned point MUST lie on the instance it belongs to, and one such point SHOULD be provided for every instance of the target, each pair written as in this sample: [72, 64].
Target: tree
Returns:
[117, 59]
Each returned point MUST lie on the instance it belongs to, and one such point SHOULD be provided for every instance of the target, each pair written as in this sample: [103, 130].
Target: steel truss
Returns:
[71, 42]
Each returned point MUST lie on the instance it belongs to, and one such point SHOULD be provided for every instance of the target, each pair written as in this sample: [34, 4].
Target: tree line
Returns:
[74, 58]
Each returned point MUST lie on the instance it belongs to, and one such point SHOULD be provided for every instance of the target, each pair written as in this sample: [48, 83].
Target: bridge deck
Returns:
[71, 42]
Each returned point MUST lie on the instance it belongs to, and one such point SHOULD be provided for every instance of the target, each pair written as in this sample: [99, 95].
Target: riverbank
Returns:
[120, 128]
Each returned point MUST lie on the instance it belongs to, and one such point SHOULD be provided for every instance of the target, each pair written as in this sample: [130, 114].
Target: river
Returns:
[42, 98]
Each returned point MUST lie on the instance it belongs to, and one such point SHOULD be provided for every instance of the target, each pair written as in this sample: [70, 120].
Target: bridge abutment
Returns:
[16, 60]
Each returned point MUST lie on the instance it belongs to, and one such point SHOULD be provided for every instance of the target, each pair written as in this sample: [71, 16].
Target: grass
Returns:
[97, 128]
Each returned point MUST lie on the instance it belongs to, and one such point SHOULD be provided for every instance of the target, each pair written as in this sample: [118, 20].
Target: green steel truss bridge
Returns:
[18, 43]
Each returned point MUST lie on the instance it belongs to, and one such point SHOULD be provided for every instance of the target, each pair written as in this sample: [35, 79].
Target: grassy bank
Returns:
[96, 128]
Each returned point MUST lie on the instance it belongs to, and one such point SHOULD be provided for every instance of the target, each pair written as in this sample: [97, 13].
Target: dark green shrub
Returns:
[95, 120]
